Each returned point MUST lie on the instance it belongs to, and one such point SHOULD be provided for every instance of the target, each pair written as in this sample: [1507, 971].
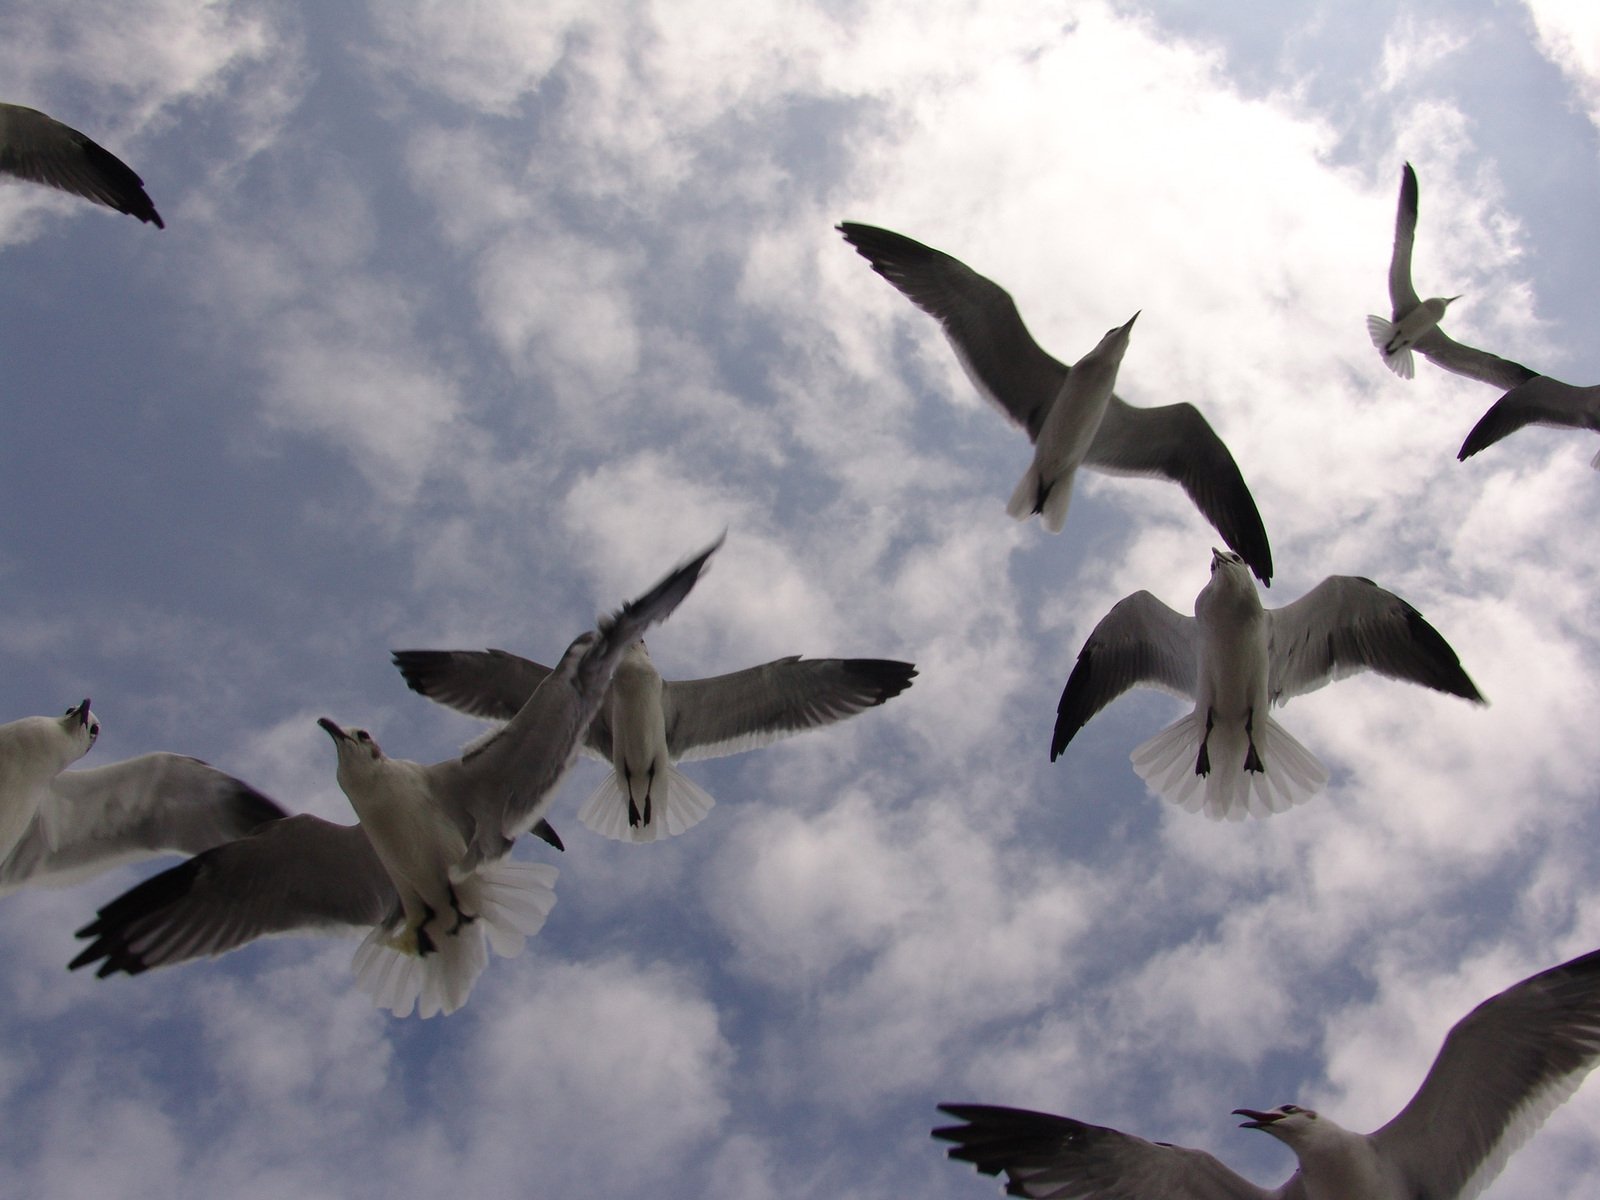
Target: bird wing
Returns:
[1442, 350]
[1539, 401]
[1175, 442]
[1347, 624]
[979, 318]
[1502, 1070]
[39, 148]
[493, 684]
[1402, 296]
[501, 786]
[298, 873]
[724, 714]
[1056, 1158]
[1140, 640]
[155, 803]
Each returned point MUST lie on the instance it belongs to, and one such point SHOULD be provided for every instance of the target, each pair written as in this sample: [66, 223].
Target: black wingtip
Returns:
[116, 923]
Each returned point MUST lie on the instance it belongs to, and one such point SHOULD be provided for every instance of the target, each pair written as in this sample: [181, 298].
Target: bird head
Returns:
[81, 726]
[1289, 1123]
[356, 747]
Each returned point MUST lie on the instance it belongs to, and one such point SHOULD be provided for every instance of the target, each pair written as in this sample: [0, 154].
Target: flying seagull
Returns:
[39, 148]
[1234, 659]
[1504, 1068]
[1415, 322]
[1539, 401]
[426, 867]
[33, 752]
[1009, 368]
[94, 819]
[647, 724]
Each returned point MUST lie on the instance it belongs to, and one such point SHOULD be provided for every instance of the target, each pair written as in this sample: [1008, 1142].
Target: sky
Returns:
[472, 319]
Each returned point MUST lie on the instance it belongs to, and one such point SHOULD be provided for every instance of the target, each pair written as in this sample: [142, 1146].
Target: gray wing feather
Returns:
[1140, 641]
[1502, 1070]
[1539, 401]
[1175, 442]
[493, 684]
[152, 804]
[1347, 624]
[1444, 351]
[39, 148]
[979, 318]
[299, 873]
[1402, 296]
[1056, 1158]
[728, 713]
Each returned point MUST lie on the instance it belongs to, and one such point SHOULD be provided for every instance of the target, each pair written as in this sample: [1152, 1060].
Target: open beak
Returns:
[83, 712]
[1258, 1120]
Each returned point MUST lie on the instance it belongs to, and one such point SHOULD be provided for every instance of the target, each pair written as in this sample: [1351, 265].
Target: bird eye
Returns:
[363, 736]
[1291, 1108]
[94, 731]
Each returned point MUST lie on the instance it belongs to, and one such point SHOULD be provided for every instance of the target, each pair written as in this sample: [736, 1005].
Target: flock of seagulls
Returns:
[426, 870]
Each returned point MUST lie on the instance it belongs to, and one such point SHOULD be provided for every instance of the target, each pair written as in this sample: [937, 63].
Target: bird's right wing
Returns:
[39, 148]
[979, 318]
[1539, 401]
[1503, 1068]
[298, 873]
[152, 804]
[1056, 1158]
[1140, 640]
[1402, 296]
[493, 684]
[1442, 350]
[744, 709]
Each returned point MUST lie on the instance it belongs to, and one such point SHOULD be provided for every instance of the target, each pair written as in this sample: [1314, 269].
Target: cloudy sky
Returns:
[472, 319]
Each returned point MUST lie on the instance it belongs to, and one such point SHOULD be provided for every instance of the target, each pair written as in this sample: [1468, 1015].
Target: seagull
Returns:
[33, 752]
[39, 148]
[647, 724]
[1234, 659]
[426, 867]
[1539, 401]
[1415, 322]
[1503, 1068]
[1010, 370]
[92, 820]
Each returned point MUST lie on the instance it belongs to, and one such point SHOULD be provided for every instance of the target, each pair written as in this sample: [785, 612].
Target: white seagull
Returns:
[1415, 322]
[1539, 401]
[33, 752]
[647, 724]
[39, 148]
[1504, 1068]
[1234, 659]
[1009, 368]
[426, 868]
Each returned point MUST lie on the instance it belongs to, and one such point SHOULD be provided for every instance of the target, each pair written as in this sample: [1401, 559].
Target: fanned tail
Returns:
[1400, 362]
[677, 804]
[1033, 495]
[1290, 773]
[511, 900]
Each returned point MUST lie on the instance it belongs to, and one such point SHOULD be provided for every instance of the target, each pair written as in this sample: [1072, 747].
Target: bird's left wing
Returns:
[738, 711]
[1347, 624]
[1056, 1158]
[1402, 296]
[1175, 442]
[152, 804]
[39, 148]
[493, 684]
[1539, 401]
[1442, 350]
[1503, 1068]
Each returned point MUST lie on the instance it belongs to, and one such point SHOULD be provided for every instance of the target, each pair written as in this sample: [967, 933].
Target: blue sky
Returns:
[471, 320]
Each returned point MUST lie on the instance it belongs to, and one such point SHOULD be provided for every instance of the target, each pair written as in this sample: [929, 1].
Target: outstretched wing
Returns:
[1503, 1068]
[1140, 640]
[1347, 624]
[979, 318]
[1056, 1158]
[494, 684]
[728, 713]
[39, 148]
[1175, 442]
[299, 873]
[1402, 296]
[1539, 401]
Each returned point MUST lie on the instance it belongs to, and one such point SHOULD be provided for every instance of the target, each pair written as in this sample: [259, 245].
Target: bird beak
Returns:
[1453, 299]
[333, 731]
[1132, 319]
[83, 712]
[1258, 1120]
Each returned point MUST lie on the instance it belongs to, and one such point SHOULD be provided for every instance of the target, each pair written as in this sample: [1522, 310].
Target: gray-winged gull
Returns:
[1414, 324]
[647, 724]
[1539, 401]
[1504, 1068]
[39, 148]
[1234, 659]
[1009, 368]
[426, 868]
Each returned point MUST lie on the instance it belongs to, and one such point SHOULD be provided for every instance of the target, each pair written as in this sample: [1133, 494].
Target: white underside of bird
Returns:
[33, 751]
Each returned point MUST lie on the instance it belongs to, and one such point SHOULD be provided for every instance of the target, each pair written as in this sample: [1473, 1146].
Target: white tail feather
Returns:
[511, 901]
[1400, 362]
[1290, 773]
[677, 804]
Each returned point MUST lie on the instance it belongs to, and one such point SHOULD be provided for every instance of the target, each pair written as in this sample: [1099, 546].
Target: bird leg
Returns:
[1202, 764]
[425, 944]
[462, 917]
[635, 819]
[1252, 760]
